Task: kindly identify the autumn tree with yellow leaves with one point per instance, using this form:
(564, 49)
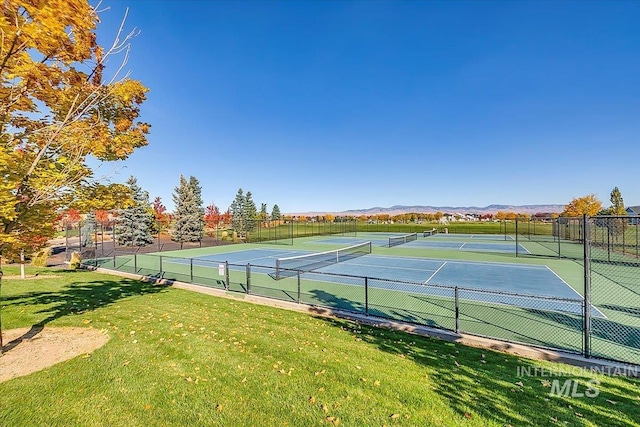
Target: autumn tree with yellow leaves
(589, 205)
(58, 106)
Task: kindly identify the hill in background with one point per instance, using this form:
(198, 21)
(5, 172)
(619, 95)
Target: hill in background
(400, 209)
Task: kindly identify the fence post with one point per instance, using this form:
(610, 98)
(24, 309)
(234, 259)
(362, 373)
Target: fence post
(299, 299)
(608, 241)
(191, 269)
(366, 296)
(559, 244)
(227, 283)
(456, 299)
(516, 237)
(248, 279)
(587, 292)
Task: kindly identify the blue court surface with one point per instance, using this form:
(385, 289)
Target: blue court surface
(472, 236)
(430, 243)
(544, 289)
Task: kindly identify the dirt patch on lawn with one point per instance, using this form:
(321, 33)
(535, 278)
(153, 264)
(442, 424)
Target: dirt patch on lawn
(28, 350)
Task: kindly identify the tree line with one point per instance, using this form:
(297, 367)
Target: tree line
(139, 220)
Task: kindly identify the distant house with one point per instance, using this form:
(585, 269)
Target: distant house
(634, 213)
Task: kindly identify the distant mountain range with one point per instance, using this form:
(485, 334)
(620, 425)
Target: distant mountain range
(400, 209)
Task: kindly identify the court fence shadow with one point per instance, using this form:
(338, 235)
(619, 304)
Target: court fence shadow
(541, 321)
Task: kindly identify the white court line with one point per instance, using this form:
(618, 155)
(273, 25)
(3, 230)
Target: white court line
(462, 245)
(434, 273)
(277, 255)
(386, 267)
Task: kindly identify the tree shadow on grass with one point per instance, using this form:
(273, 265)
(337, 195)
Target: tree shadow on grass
(76, 298)
(477, 382)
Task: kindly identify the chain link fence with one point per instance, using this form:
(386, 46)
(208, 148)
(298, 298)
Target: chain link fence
(551, 237)
(283, 232)
(540, 321)
(604, 324)
(614, 285)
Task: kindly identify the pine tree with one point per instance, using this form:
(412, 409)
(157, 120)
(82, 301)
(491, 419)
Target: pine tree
(264, 216)
(189, 213)
(275, 213)
(133, 224)
(250, 212)
(237, 211)
(89, 226)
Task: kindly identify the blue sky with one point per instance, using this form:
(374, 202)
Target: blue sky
(329, 106)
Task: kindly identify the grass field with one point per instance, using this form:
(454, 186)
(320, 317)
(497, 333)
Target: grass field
(181, 358)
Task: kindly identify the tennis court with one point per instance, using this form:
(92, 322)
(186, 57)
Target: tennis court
(473, 236)
(460, 244)
(434, 277)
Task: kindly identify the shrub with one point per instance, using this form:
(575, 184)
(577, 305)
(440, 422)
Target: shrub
(39, 259)
(75, 261)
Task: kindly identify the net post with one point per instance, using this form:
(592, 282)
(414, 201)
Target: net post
(456, 301)
(298, 274)
(587, 292)
(191, 269)
(114, 260)
(135, 263)
(248, 278)
(227, 278)
(161, 266)
(366, 296)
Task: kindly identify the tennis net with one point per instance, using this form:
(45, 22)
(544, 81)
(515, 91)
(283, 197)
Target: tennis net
(289, 266)
(399, 240)
(428, 233)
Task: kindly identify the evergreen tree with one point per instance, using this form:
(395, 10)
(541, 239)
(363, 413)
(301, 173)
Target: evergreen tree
(189, 213)
(133, 224)
(264, 216)
(250, 212)
(89, 226)
(237, 210)
(275, 213)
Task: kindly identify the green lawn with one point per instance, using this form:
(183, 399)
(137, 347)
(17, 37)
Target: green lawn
(181, 358)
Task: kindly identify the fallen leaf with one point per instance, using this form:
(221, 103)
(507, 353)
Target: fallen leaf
(394, 416)
(467, 415)
(312, 400)
(218, 408)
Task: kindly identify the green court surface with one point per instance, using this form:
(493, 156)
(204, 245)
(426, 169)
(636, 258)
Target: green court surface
(503, 307)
